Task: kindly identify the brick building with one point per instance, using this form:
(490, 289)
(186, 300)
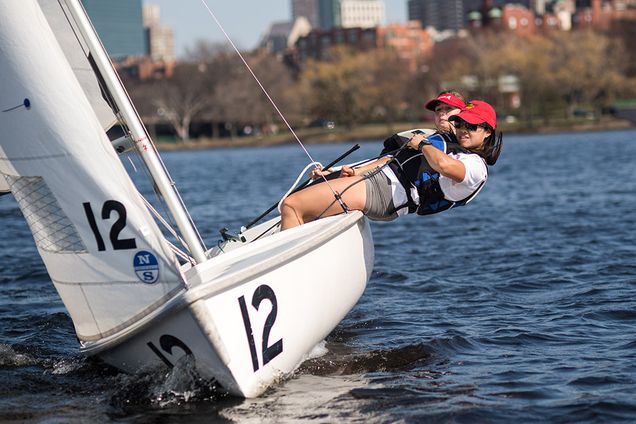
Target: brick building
(317, 43)
(602, 14)
(518, 19)
(409, 41)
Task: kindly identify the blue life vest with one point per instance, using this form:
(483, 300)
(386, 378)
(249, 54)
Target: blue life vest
(413, 171)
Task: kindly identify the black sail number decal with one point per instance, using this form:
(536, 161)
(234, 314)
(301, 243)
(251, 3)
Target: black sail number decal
(108, 208)
(268, 351)
(167, 343)
(91, 221)
(118, 244)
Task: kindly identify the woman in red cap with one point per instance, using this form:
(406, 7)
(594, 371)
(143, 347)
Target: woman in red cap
(427, 174)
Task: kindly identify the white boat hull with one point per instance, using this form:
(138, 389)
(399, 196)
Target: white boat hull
(247, 315)
(252, 315)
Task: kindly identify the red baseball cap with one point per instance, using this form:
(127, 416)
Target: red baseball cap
(447, 98)
(478, 112)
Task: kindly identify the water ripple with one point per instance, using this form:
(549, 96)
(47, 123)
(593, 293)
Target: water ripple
(520, 307)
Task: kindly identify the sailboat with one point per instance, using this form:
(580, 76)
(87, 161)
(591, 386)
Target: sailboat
(246, 316)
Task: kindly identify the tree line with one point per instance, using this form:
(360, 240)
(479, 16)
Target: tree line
(556, 74)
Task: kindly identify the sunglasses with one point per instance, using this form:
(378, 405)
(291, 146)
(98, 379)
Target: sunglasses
(459, 123)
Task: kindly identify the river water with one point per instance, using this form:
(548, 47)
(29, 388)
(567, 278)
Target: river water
(519, 307)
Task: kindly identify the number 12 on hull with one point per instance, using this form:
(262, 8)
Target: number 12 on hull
(268, 352)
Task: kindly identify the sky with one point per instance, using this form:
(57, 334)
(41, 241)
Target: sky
(244, 20)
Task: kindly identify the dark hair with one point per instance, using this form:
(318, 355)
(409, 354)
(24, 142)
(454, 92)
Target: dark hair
(491, 147)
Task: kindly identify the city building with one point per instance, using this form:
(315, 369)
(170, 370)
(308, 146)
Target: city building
(283, 35)
(328, 14)
(409, 41)
(561, 16)
(457, 14)
(538, 15)
(601, 15)
(539, 6)
(361, 13)
(439, 14)
(545, 15)
(119, 24)
(159, 38)
(317, 43)
(143, 68)
(517, 18)
(350, 13)
(306, 8)
(156, 60)
(453, 15)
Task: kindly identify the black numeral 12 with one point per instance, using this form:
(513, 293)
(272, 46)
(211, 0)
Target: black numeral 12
(269, 352)
(109, 207)
(167, 343)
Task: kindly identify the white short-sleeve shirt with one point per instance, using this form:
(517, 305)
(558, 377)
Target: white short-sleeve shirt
(476, 173)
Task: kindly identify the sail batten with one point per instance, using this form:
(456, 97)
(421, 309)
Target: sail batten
(103, 250)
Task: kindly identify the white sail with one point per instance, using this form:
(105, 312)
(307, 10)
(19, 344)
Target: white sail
(4, 186)
(76, 52)
(103, 251)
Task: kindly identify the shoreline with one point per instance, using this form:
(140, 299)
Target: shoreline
(374, 132)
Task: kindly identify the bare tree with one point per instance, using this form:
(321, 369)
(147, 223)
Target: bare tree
(243, 101)
(181, 98)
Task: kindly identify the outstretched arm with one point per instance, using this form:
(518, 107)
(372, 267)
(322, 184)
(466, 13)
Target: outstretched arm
(440, 161)
(349, 171)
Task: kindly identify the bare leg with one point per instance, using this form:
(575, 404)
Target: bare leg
(319, 201)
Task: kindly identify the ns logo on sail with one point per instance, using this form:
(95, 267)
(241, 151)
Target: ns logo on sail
(146, 267)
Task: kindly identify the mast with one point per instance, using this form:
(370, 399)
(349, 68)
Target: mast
(143, 144)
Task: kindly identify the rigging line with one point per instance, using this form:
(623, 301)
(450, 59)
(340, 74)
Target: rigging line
(205, 4)
(365, 176)
(343, 192)
(335, 193)
(293, 187)
(180, 253)
(87, 53)
(123, 125)
(161, 219)
(166, 218)
(120, 122)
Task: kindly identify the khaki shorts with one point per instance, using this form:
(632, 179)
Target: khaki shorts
(379, 205)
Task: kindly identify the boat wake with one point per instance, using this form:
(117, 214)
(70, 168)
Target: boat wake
(9, 358)
(163, 389)
(340, 360)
